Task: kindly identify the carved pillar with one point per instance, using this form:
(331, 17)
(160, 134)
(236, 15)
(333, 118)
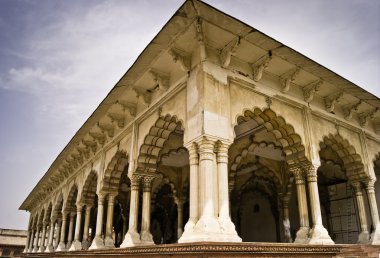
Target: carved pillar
(50, 247)
(179, 218)
(71, 229)
(31, 242)
(318, 234)
(98, 242)
(27, 244)
(363, 237)
(208, 224)
(226, 225)
(36, 238)
(43, 237)
(375, 234)
(77, 245)
(286, 221)
(58, 234)
(61, 245)
(303, 233)
(109, 242)
(132, 237)
(146, 236)
(193, 200)
(85, 242)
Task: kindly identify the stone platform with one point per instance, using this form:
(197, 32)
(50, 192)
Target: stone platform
(211, 249)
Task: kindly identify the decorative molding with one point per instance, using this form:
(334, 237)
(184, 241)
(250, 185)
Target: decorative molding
(161, 79)
(99, 137)
(331, 101)
(182, 60)
(144, 98)
(90, 144)
(350, 111)
(108, 128)
(268, 100)
(229, 50)
(364, 118)
(287, 78)
(260, 65)
(118, 118)
(310, 89)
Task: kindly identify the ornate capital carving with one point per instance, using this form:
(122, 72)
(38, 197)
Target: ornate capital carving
(357, 188)
(259, 67)
(311, 173)
(228, 51)
(330, 101)
(222, 152)
(147, 181)
(193, 153)
(350, 111)
(182, 60)
(206, 149)
(287, 78)
(364, 118)
(309, 90)
(370, 186)
(299, 174)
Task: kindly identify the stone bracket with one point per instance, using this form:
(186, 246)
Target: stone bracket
(310, 89)
(331, 101)
(161, 79)
(364, 118)
(229, 50)
(183, 60)
(260, 65)
(287, 78)
(350, 111)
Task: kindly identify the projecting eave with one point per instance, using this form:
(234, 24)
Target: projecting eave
(179, 34)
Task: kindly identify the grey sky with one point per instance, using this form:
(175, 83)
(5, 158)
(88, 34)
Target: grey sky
(59, 59)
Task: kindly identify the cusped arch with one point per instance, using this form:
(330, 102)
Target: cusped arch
(154, 142)
(113, 172)
(164, 181)
(70, 204)
(346, 152)
(283, 132)
(89, 188)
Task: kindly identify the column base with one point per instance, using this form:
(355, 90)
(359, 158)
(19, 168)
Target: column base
(76, 245)
(35, 250)
(132, 238)
(49, 249)
(41, 249)
(363, 237)
(320, 236)
(85, 244)
(302, 236)
(146, 238)
(375, 236)
(207, 225)
(61, 247)
(97, 243)
(109, 243)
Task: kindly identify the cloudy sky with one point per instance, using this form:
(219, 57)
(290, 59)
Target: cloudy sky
(59, 59)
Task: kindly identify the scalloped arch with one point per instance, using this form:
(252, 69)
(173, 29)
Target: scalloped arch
(89, 188)
(70, 203)
(350, 158)
(114, 171)
(154, 142)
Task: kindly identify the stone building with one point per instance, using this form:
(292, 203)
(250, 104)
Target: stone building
(216, 133)
(12, 242)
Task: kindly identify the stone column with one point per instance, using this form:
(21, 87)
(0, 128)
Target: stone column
(286, 221)
(50, 247)
(132, 238)
(85, 242)
(58, 233)
(303, 233)
(36, 238)
(363, 237)
(207, 226)
(179, 217)
(318, 234)
(41, 249)
(71, 229)
(61, 245)
(226, 225)
(31, 242)
(98, 242)
(77, 245)
(109, 242)
(27, 243)
(375, 234)
(193, 202)
(146, 236)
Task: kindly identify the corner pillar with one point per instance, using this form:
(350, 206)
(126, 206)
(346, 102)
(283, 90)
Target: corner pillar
(318, 234)
(85, 240)
(109, 242)
(286, 221)
(36, 239)
(363, 237)
(146, 236)
(375, 234)
(98, 242)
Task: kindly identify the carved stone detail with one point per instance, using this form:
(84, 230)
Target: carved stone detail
(161, 79)
(311, 89)
(259, 66)
(182, 60)
(331, 101)
(350, 111)
(364, 118)
(287, 78)
(144, 98)
(228, 51)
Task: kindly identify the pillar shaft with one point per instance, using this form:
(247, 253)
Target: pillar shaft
(98, 242)
(363, 237)
(86, 224)
(36, 239)
(27, 244)
(109, 242)
(132, 237)
(77, 245)
(59, 228)
(319, 234)
(146, 236)
(43, 238)
(31, 241)
(179, 218)
(49, 247)
(62, 246)
(71, 229)
(375, 234)
(286, 221)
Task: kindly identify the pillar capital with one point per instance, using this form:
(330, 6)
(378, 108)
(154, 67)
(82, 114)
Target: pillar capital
(370, 185)
(147, 181)
(221, 149)
(311, 172)
(192, 147)
(206, 148)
